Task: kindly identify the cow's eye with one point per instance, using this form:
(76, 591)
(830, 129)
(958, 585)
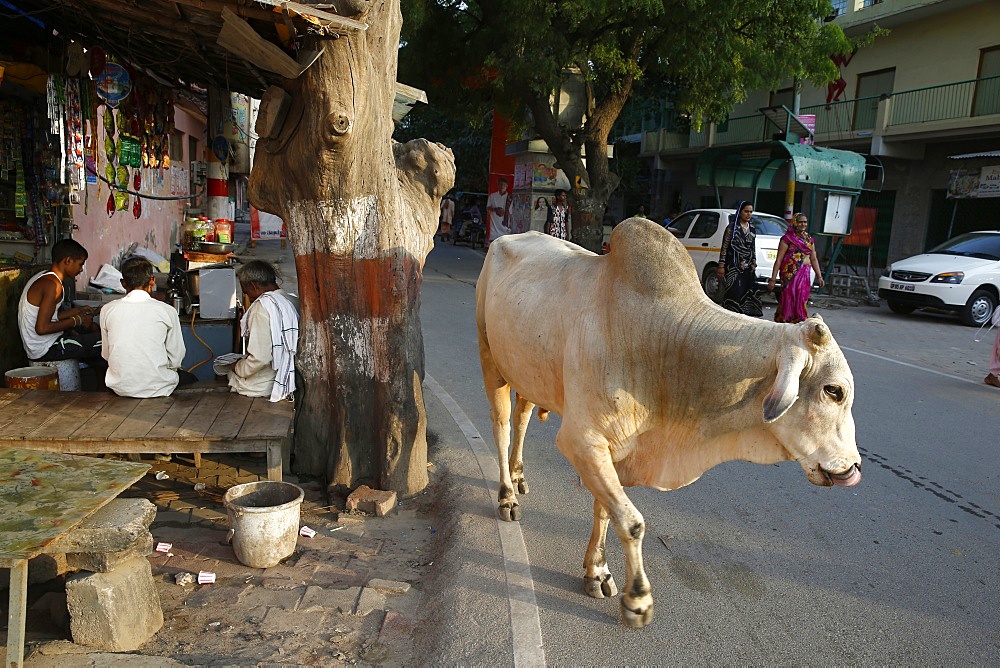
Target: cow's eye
(836, 392)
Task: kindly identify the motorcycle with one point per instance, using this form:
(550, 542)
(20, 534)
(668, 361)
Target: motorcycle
(470, 230)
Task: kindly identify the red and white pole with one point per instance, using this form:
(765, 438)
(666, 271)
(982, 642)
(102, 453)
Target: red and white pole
(218, 188)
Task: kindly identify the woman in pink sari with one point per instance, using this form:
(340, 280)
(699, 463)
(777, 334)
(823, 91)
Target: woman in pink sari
(796, 261)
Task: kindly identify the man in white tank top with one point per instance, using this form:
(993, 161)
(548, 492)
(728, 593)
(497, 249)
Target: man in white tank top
(47, 332)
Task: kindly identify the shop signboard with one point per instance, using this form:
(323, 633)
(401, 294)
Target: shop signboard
(975, 183)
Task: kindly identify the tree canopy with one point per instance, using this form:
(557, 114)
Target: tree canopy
(473, 55)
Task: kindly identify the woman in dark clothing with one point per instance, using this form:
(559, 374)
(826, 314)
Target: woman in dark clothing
(738, 264)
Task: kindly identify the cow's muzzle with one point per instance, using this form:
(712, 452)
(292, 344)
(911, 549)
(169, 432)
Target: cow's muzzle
(848, 478)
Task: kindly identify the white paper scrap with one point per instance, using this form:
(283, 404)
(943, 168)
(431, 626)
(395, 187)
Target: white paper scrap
(205, 577)
(307, 532)
(164, 547)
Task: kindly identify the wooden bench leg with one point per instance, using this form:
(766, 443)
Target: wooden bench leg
(274, 462)
(16, 616)
(197, 460)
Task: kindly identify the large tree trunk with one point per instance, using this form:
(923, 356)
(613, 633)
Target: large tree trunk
(361, 215)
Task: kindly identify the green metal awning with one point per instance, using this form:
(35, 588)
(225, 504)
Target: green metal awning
(754, 166)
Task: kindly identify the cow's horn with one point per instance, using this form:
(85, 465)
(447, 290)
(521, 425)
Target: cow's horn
(820, 334)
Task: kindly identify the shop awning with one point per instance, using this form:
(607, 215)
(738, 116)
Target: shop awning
(754, 166)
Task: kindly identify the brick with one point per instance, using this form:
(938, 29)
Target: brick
(373, 501)
(331, 576)
(218, 596)
(338, 600)
(389, 586)
(271, 598)
(285, 621)
(370, 601)
(116, 611)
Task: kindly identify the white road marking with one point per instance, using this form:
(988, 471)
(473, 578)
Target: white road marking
(912, 366)
(526, 627)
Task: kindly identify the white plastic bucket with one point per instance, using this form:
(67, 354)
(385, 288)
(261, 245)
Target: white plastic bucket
(264, 517)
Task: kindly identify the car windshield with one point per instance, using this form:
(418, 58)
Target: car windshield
(972, 244)
(766, 224)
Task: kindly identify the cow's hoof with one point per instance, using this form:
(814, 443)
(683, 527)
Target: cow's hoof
(636, 619)
(509, 512)
(600, 587)
(522, 486)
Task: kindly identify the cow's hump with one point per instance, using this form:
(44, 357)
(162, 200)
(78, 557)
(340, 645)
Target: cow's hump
(650, 259)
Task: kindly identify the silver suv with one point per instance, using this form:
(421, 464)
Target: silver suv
(701, 232)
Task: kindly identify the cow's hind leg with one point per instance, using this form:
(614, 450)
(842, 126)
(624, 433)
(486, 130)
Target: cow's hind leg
(498, 394)
(592, 460)
(522, 413)
(597, 579)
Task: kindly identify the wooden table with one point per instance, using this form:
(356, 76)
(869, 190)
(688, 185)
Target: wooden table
(44, 495)
(102, 422)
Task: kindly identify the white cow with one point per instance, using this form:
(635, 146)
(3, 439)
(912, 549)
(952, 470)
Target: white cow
(655, 383)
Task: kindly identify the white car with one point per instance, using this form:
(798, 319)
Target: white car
(961, 275)
(701, 232)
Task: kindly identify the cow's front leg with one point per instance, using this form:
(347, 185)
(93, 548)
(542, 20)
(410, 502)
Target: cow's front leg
(597, 579)
(591, 458)
(522, 414)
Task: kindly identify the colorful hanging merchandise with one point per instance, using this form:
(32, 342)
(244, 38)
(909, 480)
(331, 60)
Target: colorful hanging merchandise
(76, 176)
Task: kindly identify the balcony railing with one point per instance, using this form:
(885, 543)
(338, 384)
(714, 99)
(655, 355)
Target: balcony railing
(856, 117)
(846, 116)
(965, 99)
(740, 130)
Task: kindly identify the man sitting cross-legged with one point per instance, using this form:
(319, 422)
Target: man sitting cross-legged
(141, 338)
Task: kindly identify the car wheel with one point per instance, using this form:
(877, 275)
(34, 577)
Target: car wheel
(901, 309)
(979, 308)
(710, 284)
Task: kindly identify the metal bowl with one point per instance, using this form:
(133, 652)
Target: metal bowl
(215, 247)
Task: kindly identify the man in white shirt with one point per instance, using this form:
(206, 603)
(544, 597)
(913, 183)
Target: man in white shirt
(141, 338)
(270, 327)
(496, 208)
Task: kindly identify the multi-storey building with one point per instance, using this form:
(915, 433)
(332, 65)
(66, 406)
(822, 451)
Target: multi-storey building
(923, 102)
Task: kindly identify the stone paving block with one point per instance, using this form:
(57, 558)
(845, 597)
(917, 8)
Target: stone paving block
(286, 621)
(216, 595)
(209, 514)
(370, 601)
(322, 558)
(171, 517)
(389, 586)
(272, 598)
(332, 576)
(337, 600)
(104, 562)
(374, 501)
(116, 611)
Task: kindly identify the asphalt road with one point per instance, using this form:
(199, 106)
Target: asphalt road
(750, 564)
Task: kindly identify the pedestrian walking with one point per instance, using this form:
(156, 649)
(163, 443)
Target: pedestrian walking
(796, 261)
(738, 264)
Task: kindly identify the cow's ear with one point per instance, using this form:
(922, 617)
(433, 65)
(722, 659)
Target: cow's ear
(785, 390)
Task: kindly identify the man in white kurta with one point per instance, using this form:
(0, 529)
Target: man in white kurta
(141, 337)
(270, 328)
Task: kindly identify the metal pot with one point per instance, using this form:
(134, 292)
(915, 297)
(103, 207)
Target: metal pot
(215, 247)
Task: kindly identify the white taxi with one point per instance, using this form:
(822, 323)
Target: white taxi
(701, 232)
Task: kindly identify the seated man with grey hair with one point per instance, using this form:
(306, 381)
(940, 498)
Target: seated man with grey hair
(270, 329)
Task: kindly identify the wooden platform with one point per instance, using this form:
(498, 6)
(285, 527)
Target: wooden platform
(102, 422)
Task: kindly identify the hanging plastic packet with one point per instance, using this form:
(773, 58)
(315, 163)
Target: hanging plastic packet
(121, 201)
